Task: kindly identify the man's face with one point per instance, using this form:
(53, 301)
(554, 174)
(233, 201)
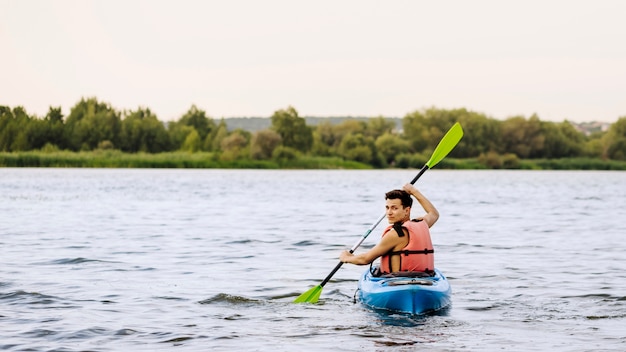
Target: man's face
(395, 211)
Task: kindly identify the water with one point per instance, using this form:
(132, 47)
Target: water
(197, 260)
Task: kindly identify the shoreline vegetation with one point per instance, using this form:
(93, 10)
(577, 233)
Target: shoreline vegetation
(95, 134)
(207, 160)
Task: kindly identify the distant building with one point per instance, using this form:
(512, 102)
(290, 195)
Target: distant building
(587, 128)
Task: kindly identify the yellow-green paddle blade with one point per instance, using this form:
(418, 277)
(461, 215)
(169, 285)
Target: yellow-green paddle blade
(310, 296)
(447, 143)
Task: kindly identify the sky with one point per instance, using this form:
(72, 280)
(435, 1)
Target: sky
(559, 59)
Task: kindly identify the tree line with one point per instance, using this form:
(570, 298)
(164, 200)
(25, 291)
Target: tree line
(96, 125)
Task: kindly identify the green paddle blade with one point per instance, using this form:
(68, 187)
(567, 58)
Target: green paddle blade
(310, 296)
(445, 146)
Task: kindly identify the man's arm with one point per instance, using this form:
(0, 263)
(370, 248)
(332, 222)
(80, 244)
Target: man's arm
(432, 215)
(386, 244)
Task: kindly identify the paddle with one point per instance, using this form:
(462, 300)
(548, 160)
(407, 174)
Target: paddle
(447, 143)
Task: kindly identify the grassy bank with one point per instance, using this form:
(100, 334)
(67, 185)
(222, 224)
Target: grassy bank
(117, 159)
(537, 164)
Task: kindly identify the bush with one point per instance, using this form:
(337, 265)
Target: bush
(282, 154)
(49, 148)
(510, 161)
(491, 160)
(106, 145)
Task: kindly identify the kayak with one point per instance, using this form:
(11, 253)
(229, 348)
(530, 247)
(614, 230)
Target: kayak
(414, 293)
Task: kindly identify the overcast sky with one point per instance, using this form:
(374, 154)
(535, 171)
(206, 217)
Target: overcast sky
(560, 59)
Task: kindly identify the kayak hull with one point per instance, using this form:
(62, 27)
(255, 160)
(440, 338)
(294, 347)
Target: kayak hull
(405, 294)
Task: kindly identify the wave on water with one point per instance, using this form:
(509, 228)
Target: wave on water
(249, 241)
(235, 300)
(222, 298)
(305, 243)
(38, 332)
(82, 334)
(21, 297)
(602, 296)
(81, 260)
(170, 298)
(73, 261)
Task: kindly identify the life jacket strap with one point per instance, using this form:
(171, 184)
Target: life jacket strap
(407, 252)
(399, 229)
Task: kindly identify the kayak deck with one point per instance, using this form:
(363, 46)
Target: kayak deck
(414, 295)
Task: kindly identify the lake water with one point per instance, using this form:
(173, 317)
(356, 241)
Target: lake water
(198, 260)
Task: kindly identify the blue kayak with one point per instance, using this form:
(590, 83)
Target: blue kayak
(408, 293)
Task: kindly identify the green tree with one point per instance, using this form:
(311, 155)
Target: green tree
(199, 120)
(284, 154)
(326, 133)
(21, 132)
(595, 145)
(425, 129)
(327, 137)
(20, 127)
(214, 141)
(416, 130)
(482, 134)
(141, 131)
(292, 129)
(9, 129)
(178, 134)
(36, 132)
(91, 122)
(6, 128)
(56, 128)
(192, 142)
(234, 146)
(263, 144)
(615, 140)
(562, 140)
(357, 147)
(378, 126)
(390, 146)
(522, 137)
(349, 127)
(193, 119)
(320, 147)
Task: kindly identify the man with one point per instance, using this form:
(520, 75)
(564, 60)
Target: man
(405, 245)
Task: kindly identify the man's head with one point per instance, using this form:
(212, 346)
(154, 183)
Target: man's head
(404, 196)
(398, 205)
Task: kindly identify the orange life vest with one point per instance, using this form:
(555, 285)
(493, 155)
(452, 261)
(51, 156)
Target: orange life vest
(418, 255)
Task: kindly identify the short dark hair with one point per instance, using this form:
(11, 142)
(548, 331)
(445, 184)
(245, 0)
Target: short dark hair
(404, 196)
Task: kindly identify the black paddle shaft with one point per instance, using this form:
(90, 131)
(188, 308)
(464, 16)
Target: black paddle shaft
(419, 174)
(332, 273)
